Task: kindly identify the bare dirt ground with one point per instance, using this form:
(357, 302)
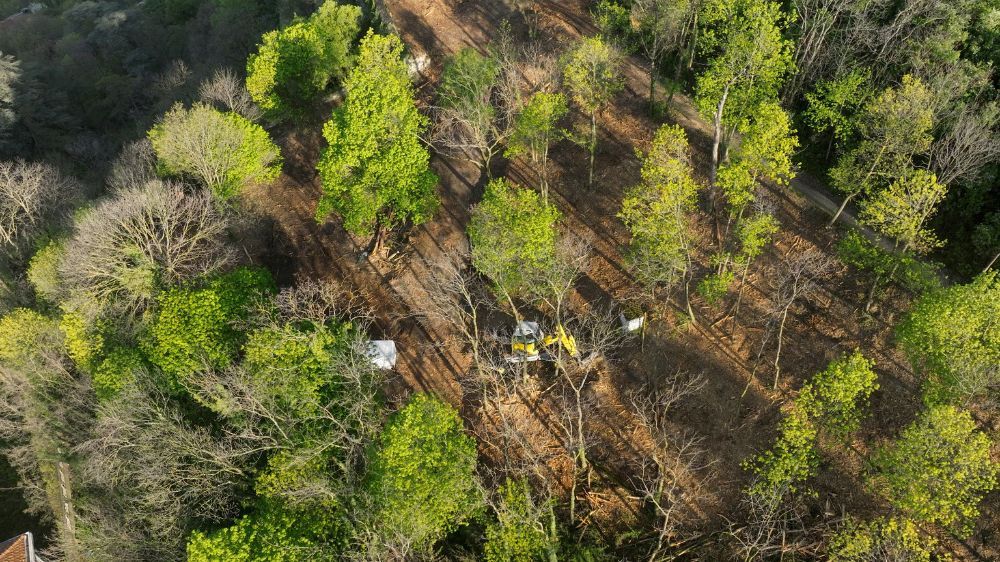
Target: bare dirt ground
(736, 413)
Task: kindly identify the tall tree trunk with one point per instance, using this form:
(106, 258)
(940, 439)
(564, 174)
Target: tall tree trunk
(593, 147)
(843, 205)
(652, 87)
(777, 355)
(992, 261)
(717, 135)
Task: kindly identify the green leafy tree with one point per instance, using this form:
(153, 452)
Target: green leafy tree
(658, 211)
(375, 170)
(953, 338)
(22, 333)
(422, 473)
(292, 66)
(893, 538)
(194, 328)
(513, 237)
(519, 533)
(536, 127)
(836, 397)
(832, 106)
(892, 129)
(223, 151)
(939, 469)
(43, 272)
(792, 459)
(901, 211)
(121, 367)
(753, 234)
(748, 60)
(272, 533)
(592, 72)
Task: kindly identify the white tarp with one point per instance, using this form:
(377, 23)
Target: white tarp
(382, 353)
(630, 325)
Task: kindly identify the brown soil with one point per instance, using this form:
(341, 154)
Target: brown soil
(736, 413)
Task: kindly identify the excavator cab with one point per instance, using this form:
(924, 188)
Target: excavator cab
(529, 343)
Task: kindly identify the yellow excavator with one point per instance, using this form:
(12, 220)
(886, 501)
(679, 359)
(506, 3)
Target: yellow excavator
(530, 343)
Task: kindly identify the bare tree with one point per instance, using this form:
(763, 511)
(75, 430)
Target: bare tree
(134, 167)
(32, 196)
(969, 144)
(226, 89)
(670, 461)
(773, 525)
(797, 280)
(127, 246)
(479, 98)
(150, 475)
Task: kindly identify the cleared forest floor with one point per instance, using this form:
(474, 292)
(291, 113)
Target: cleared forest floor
(735, 424)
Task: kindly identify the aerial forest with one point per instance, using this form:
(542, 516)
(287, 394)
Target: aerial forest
(500, 280)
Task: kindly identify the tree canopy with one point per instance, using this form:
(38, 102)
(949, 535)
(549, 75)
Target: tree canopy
(375, 169)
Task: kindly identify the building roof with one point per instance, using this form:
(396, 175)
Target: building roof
(15, 549)
(19, 549)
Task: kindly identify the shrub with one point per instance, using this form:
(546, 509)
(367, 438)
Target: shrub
(915, 275)
(791, 461)
(518, 534)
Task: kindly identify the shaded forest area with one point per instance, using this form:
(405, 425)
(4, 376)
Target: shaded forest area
(668, 279)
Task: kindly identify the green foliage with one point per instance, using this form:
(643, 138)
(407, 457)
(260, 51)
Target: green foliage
(953, 338)
(422, 473)
(536, 126)
(43, 272)
(893, 128)
(768, 143)
(901, 210)
(24, 332)
(834, 103)
(467, 82)
(119, 369)
(714, 287)
(592, 73)
(518, 534)
(916, 275)
(892, 538)
(375, 170)
(748, 58)
(939, 469)
(658, 211)
(84, 342)
(292, 66)
(293, 363)
(513, 237)
(272, 533)
(791, 461)
(754, 233)
(194, 328)
(286, 471)
(224, 151)
(836, 397)
(613, 20)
